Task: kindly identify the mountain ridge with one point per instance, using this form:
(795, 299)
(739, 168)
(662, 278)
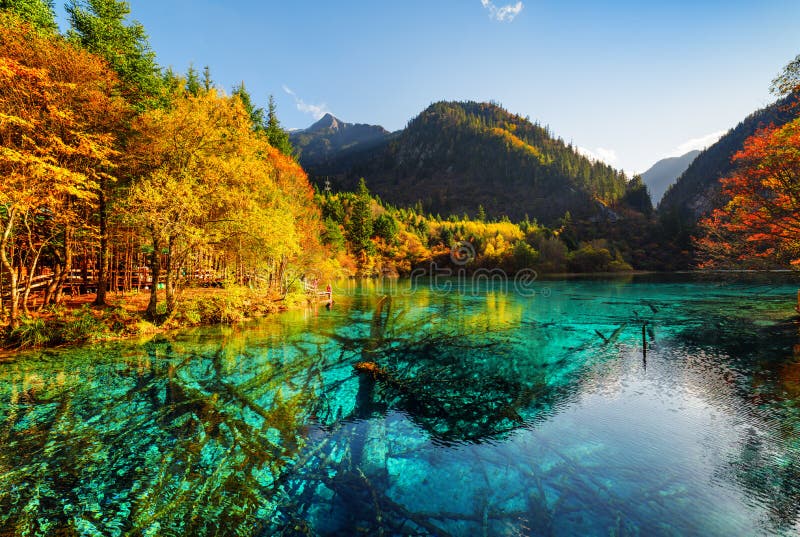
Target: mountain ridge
(329, 136)
(456, 156)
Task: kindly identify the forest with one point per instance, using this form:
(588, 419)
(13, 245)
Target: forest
(120, 176)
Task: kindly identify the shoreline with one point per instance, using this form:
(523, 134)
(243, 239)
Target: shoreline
(124, 318)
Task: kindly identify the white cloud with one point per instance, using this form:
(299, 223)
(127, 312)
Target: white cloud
(697, 143)
(601, 154)
(316, 110)
(504, 13)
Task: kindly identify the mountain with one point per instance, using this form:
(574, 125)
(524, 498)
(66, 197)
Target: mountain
(456, 156)
(331, 136)
(665, 172)
(696, 192)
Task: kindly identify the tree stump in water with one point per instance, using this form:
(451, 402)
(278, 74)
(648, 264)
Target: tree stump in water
(373, 369)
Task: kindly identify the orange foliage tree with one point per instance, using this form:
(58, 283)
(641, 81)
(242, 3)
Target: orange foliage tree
(760, 223)
(57, 118)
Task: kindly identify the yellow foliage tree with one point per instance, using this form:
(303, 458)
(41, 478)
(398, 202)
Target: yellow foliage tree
(205, 179)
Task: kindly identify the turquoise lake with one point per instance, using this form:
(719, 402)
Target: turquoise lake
(481, 410)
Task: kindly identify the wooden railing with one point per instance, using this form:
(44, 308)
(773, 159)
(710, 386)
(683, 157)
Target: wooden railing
(80, 281)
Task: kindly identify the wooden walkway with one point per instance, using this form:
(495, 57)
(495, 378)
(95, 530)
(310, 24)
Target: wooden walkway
(313, 291)
(82, 281)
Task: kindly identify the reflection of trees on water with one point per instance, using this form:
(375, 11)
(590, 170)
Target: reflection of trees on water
(194, 438)
(460, 381)
(285, 437)
(763, 361)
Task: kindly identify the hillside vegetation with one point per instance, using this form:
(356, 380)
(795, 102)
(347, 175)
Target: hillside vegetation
(455, 156)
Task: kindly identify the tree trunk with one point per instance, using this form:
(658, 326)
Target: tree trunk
(170, 281)
(66, 268)
(281, 274)
(13, 310)
(61, 270)
(155, 273)
(29, 283)
(50, 289)
(32, 269)
(12, 274)
(102, 259)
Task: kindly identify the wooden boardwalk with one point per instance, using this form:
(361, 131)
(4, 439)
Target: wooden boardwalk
(313, 292)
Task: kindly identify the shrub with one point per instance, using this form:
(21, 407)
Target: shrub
(32, 333)
(82, 327)
(40, 332)
(525, 255)
(589, 259)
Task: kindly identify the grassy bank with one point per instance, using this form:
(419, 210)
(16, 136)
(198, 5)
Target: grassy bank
(76, 321)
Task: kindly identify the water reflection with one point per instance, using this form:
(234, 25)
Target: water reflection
(422, 414)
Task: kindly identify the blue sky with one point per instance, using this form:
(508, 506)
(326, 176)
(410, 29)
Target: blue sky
(629, 81)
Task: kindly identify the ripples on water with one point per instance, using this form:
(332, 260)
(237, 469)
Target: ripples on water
(486, 414)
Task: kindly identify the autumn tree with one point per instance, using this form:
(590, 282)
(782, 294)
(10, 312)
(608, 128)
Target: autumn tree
(102, 27)
(788, 81)
(761, 220)
(172, 156)
(205, 179)
(57, 118)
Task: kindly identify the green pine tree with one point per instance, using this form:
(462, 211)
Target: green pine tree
(37, 12)
(256, 114)
(359, 229)
(277, 137)
(192, 81)
(101, 27)
(385, 227)
(207, 82)
(332, 235)
(638, 197)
